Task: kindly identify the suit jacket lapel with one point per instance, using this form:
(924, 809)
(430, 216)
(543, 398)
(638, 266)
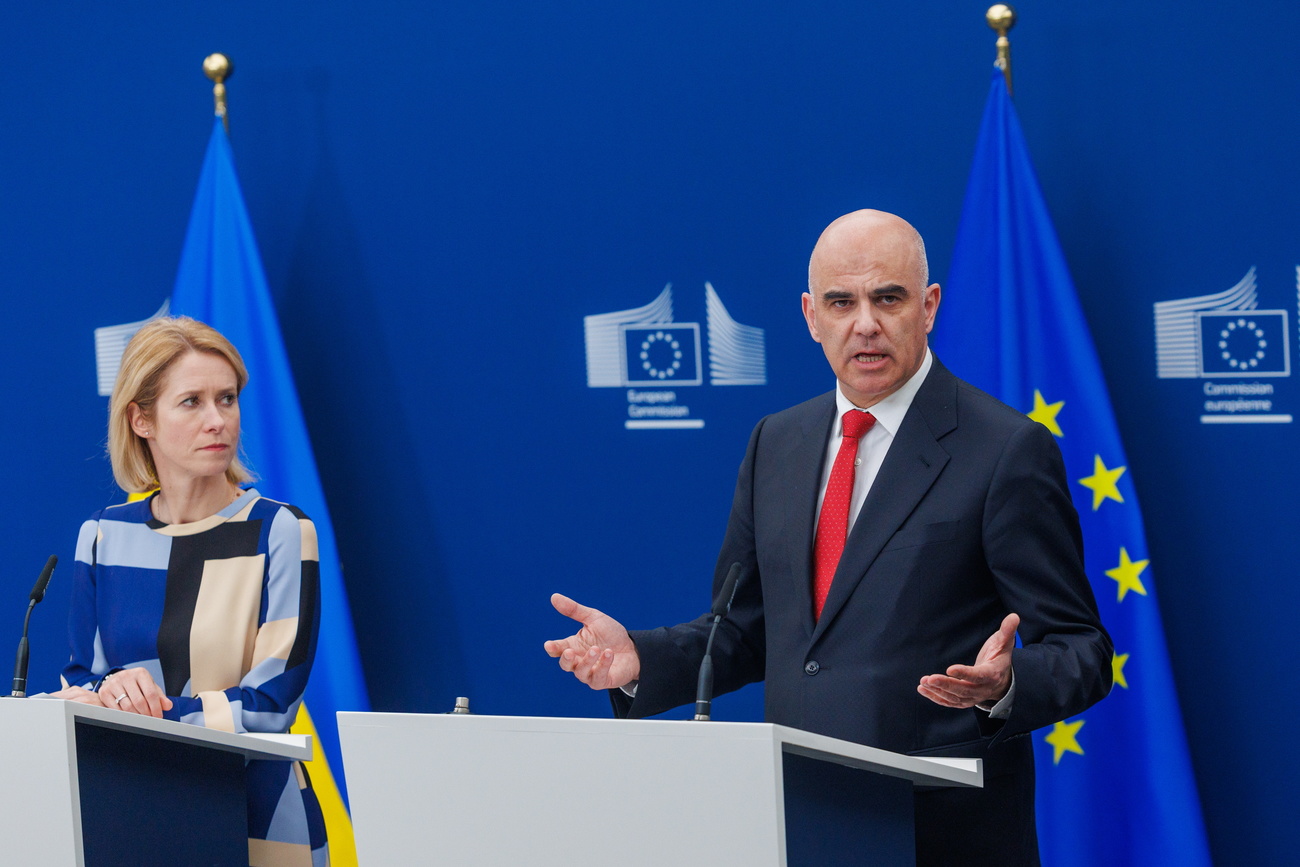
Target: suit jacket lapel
(914, 461)
(801, 467)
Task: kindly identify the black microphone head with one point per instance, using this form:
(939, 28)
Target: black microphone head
(38, 592)
(722, 603)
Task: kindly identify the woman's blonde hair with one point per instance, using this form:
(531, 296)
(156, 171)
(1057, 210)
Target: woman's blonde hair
(145, 363)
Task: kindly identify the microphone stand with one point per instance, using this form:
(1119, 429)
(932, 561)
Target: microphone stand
(20, 664)
(721, 606)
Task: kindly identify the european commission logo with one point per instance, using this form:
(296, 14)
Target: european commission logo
(646, 352)
(1226, 338)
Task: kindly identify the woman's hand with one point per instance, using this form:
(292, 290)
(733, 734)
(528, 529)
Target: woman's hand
(76, 693)
(133, 690)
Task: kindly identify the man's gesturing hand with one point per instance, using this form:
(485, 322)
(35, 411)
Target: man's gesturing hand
(985, 682)
(600, 654)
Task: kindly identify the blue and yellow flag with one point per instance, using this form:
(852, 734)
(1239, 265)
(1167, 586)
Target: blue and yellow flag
(221, 282)
(1115, 784)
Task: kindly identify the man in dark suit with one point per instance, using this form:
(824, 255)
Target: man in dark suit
(900, 632)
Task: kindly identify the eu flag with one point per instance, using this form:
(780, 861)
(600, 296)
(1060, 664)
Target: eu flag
(662, 355)
(221, 282)
(1243, 343)
(1115, 784)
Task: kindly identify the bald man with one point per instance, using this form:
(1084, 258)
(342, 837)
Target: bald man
(882, 593)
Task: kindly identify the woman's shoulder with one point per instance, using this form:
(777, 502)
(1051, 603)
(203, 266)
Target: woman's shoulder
(131, 512)
(286, 527)
(265, 508)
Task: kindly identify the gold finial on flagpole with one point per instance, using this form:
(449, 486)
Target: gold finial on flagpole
(1001, 17)
(218, 68)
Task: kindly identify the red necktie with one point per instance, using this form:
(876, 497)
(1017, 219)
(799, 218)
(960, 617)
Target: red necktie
(833, 525)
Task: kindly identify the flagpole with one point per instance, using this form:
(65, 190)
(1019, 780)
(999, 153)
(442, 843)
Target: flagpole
(1001, 17)
(218, 68)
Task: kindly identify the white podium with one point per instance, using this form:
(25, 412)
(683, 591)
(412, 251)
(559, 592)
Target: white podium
(177, 790)
(458, 789)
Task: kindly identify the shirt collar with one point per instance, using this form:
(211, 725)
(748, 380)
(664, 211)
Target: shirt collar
(890, 411)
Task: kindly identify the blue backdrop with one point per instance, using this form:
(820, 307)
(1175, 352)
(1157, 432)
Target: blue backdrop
(442, 192)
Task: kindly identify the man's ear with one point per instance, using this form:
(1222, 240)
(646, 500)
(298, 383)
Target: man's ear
(932, 296)
(810, 316)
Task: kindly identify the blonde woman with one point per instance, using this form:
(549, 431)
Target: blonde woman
(199, 603)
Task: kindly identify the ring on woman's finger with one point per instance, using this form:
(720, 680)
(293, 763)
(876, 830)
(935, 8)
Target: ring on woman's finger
(118, 700)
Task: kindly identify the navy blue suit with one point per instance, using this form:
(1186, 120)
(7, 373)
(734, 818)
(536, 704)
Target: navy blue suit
(969, 519)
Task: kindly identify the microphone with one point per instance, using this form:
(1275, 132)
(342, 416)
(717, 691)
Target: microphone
(721, 605)
(38, 593)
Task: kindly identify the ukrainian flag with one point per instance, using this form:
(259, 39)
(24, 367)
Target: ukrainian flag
(220, 281)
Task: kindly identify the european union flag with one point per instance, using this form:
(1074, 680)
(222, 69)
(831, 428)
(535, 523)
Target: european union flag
(663, 355)
(1115, 784)
(1243, 343)
(221, 282)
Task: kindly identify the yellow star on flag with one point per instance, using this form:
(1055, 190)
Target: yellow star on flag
(1063, 740)
(1128, 575)
(1045, 413)
(1117, 662)
(1102, 482)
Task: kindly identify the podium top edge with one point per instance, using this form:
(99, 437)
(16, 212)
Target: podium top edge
(923, 770)
(275, 747)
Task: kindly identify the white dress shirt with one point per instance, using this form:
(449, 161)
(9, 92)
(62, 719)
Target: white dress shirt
(873, 447)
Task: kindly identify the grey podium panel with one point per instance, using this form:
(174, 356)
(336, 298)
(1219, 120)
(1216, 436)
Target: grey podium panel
(131, 765)
(435, 789)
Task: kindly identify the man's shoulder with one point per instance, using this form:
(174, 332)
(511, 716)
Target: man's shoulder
(813, 406)
(981, 424)
(794, 424)
(811, 411)
(972, 405)
(979, 403)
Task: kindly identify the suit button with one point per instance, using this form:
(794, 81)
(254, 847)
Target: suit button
(811, 667)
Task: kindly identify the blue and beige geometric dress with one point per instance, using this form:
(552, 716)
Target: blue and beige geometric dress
(223, 613)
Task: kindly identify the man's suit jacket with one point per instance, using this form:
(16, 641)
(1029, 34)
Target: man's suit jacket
(969, 519)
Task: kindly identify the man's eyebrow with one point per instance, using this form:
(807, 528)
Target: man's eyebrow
(879, 291)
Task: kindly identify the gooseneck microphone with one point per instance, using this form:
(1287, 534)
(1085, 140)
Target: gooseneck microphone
(721, 605)
(38, 593)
